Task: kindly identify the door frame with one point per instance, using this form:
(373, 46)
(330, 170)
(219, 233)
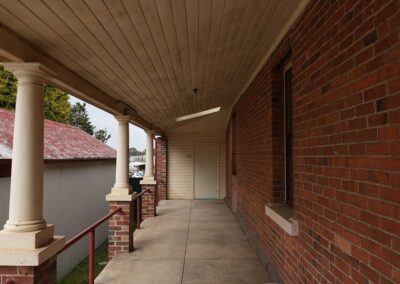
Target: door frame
(194, 167)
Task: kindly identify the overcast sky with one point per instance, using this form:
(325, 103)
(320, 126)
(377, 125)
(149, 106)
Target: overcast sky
(101, 119)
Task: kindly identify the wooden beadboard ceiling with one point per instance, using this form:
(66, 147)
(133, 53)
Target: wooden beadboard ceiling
(151, 54)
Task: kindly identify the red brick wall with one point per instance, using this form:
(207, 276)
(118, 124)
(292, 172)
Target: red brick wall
(161, 167)
(346, 108)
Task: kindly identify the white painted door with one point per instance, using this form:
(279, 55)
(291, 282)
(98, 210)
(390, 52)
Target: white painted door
(206, 171)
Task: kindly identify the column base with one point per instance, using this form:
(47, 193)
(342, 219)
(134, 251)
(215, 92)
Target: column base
(31, 257)
(120, 197)
(121, 190)
(26, 240)
(29, 226)
(149, 181)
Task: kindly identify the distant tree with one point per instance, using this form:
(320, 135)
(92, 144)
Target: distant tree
(56, 105)
(135, 152)
(8, 89)
(56, 102)
(79, 117)
(102, 135)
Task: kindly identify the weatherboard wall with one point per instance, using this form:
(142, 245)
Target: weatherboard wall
(181, 163)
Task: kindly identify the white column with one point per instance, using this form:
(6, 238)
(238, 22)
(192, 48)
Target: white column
(26, 192)
(26, 239)
(121, 186)
(148, 175)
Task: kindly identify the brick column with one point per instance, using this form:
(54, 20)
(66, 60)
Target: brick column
(148, 201)
(161, 167)
(120, 236)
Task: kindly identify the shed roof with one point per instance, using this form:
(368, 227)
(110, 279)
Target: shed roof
(61, 141)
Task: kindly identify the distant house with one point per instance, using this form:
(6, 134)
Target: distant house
(79, 171)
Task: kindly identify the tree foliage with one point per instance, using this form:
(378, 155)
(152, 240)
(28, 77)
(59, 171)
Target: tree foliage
(79, 117)
(56, 105)
(102, 135)
(56, 102)
(8, 89)
(135, 152)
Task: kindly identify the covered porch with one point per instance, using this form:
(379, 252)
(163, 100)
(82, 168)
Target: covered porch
(192, 242)
(289, 111)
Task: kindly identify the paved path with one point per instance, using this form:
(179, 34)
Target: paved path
(190, 242)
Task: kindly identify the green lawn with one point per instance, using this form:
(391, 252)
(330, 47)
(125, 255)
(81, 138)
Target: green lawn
(79, 275)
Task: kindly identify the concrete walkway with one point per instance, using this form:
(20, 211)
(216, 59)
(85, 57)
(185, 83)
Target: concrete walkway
(190, 242)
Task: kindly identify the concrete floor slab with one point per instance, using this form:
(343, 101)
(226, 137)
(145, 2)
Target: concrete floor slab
(219, 249)
(164, 224)
(208, 203)
(173, 213)
(125, 270)
(215, 235)
(213, 225)
(160, 244)
(160, 236)
(243, 270)
(206, 214)
(191, 242)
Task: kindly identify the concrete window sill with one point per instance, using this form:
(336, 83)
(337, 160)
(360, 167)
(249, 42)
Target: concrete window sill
(283, 216)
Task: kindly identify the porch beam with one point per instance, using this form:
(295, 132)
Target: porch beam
(15, 49)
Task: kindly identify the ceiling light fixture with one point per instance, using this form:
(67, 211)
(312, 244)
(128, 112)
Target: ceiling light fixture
(198, 114)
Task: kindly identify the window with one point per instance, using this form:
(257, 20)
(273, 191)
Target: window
(288, 134)
(280, 207)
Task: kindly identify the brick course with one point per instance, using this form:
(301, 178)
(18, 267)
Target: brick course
(346, 121)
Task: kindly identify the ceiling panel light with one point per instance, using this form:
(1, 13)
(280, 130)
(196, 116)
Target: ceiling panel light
(198, 114)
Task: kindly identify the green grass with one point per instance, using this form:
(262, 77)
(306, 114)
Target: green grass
(79, 275)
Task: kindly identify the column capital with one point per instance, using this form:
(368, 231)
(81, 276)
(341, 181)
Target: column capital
(123, 118)
(26, 72)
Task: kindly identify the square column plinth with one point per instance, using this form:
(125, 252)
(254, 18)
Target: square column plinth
(149, 198)
(29, 248)
(29, 257)
(120, 226)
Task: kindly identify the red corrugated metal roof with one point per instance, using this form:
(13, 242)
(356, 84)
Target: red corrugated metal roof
(61, 141)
